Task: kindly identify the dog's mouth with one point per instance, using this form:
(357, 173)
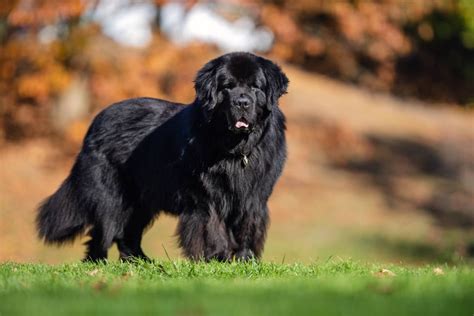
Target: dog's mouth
(242, 124)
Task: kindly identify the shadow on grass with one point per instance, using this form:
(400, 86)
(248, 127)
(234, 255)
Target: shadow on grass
(446, 166)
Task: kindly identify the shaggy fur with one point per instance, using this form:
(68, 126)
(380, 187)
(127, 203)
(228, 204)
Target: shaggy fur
(213, 163)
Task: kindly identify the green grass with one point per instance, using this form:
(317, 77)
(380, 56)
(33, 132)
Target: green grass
(333, 287)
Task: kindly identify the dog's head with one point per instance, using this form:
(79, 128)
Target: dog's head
(240, 89)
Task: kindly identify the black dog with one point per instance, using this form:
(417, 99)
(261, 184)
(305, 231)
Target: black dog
(213, 163)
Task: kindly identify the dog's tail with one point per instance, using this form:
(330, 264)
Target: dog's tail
(62, 217)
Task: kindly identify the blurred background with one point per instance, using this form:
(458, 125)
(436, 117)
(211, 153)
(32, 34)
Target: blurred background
(380, 114)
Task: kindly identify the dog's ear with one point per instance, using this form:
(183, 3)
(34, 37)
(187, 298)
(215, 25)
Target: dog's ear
(277, 82)
(205, 85)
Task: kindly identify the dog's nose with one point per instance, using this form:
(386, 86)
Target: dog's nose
(243, 102)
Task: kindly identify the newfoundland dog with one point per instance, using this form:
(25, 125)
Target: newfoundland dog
(213, 163)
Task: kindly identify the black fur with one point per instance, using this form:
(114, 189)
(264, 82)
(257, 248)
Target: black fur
(144, 156)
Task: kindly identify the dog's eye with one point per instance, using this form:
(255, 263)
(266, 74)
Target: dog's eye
(256, 84)
(229, 85)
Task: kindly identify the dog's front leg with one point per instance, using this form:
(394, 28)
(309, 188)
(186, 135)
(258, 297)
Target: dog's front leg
(250, 234)
(191, 234)
(203, 236)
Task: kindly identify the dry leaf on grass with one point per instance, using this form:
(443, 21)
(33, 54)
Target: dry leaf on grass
(93, 272)
(384, 273)
(100, 285)
(438, 271)
(127, 275)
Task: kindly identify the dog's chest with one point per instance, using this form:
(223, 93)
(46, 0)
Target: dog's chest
(232, 183)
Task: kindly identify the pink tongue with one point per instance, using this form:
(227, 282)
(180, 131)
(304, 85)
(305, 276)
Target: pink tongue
(240, 124)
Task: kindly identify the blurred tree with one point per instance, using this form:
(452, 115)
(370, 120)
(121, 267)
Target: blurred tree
(422, 48)
(418, 48)
(35, 61)
(50, 46)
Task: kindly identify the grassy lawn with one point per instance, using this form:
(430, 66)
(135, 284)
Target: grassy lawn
(334, 287)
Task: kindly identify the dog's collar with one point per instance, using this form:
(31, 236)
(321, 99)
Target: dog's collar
(244, 153)
(245, 160)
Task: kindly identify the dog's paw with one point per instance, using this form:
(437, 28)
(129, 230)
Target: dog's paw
(244, 255)
(135, 259)
(222, 256)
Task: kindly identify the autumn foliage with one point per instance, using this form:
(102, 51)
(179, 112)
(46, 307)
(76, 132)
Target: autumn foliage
(392, 46)
(421, 48)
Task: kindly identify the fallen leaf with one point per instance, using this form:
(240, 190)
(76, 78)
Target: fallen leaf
(100, 285)
(438, 271)
(385, 273)
(93, 272)
(127, 275)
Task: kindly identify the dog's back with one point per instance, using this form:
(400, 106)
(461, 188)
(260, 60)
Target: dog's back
(93, 192)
